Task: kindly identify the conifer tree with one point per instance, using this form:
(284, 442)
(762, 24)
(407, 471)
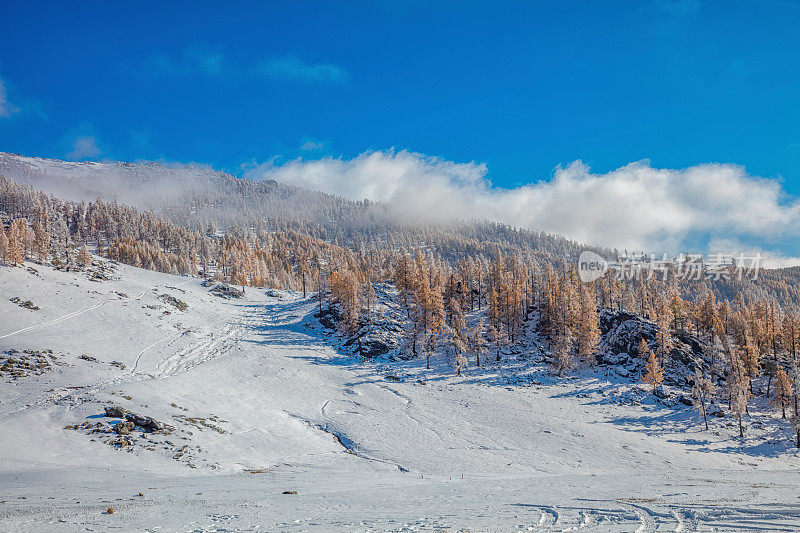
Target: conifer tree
(563, 360)
(477, 342)
(644, 350)
(497, 337)
(739, 390)
(461, 362)
(458, 330)
(663, 334)
(588, 337)
(3, 245)
(783, 392)
(653, 373)
(84, 257)
(702, 389)
(41, 242)
(15, 234)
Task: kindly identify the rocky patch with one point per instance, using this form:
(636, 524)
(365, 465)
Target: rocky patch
(222, 290)
(16, 364)
(26, 304)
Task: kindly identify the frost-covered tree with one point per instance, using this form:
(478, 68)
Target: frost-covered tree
(643, 351)
(702, 389)
(457, 333)
(563, 358)
(476, 343)
(739, 390)
(783, 392)
(84, 257)
(497, 337)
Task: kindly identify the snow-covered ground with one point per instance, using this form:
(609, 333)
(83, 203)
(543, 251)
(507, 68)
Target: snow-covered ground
(256, 402)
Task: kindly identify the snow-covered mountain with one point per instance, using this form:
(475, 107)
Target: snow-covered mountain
(248, 413)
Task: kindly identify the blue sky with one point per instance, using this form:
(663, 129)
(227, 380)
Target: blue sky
(520, 87)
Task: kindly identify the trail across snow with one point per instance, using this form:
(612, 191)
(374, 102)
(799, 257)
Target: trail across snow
(261, 404)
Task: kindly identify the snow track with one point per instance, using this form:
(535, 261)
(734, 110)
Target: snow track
(70, 315)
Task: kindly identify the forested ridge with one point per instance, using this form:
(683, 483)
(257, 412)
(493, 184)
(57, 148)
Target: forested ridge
(271, 235)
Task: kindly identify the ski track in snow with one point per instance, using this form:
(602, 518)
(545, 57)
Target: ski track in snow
(73, 314)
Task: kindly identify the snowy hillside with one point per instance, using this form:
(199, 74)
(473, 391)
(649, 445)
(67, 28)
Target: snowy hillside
(243, 417)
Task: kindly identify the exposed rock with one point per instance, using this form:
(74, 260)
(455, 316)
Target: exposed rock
(115, 411)
(715, 410)
(145, 422)
(120, 441)
(660, 393)
(124, 428)
(224, 290)
(180, 305)
(373, 348)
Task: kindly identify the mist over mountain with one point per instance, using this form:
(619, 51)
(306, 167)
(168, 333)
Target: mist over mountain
(198, 197)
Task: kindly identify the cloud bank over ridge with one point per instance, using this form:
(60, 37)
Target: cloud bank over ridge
(637, 206)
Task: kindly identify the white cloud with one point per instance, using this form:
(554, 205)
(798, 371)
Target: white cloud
(637, 207)
(292, 68)
(7, 109)
(769, 258)
(84, 147)
(312, 145)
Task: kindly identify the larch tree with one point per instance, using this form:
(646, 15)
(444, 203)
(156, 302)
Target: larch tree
(497, 337)
(653, 374)
(702, 389)
(476, 341)
(41, 242)
(84, 257)
(794, 421)
(782, 395)
(562, 348)
(345, 289)
(14, 248)
(644, 350)
(458, 334)
(3, 245)
(739, 390)
(663, 333)
(588, 337)
(460, 362)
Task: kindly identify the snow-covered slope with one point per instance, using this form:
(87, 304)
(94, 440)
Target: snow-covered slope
(255, 402)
